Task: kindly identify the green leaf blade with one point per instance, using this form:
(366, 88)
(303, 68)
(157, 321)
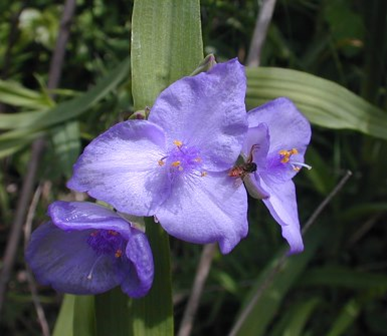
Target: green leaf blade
(323, 102)
(166, 45)
(153, 314)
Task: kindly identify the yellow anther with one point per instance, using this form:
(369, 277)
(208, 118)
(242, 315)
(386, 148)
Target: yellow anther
(118, 253)
(176, 163)
(296, 168)
(285, 159)
(198, 159)
(203, 174)
(286, 154)
(177, 143)
(113, 233)
(161, 163)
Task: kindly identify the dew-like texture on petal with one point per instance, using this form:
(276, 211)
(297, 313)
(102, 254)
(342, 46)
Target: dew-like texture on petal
(86, 215)
(120, 167)
(288, 128)
(65, 261)
(207, 112)
(207, 209)
(140, 280)
(282, 205)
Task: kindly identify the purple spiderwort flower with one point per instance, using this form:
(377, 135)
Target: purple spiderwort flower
(89, 249)
(276, 142)
(174, 165)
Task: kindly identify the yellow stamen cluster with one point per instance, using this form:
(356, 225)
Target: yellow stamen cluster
(118, 253)
(286, 154)
(177, 143)
(177, 164)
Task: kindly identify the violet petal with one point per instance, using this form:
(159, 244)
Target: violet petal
(256, 145)
(207, 209)
(288, 128)
(121, 167)
(86, 215)
(206, 111)
(141, 276)
(65, 261)
(282, 205)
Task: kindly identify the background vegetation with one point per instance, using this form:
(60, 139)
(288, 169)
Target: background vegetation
(338, 285)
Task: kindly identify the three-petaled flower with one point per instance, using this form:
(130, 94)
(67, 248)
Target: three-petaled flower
(276, 142)
(174, 165)
(89, 249)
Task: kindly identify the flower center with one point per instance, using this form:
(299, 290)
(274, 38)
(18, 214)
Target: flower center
(287, 157)
(106, 242)
(183, 159)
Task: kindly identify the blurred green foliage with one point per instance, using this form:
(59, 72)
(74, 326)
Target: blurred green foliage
(338, 287)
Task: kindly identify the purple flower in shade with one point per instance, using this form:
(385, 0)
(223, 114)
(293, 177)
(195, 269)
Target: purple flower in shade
(174, 165)
(276, 142)
(89, 249)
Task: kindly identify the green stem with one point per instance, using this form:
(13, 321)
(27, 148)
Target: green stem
(153, 314)
(112, 310)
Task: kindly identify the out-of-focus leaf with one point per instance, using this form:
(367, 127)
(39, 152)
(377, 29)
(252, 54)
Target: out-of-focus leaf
(75, 107)
(323, 102)
(364, 209)
(346, 25)
(166, 45)
(346, 317)
(4, 200)
(18, 120)
(11, 142)
(294, 320)
(271, 288)
(69, 109)
(14, 94)
(66, 140)
(344, 277)
(320, 175)
(36, 124)
(226, 281)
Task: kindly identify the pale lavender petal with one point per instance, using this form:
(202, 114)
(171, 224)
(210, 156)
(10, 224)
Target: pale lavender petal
(257, 145)
(65, 261)
(121, 167)
(206, 111)
(207, 209)
(254, 186)
(86, 215)
(282, 205)
(287, 126)
(139, 281)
